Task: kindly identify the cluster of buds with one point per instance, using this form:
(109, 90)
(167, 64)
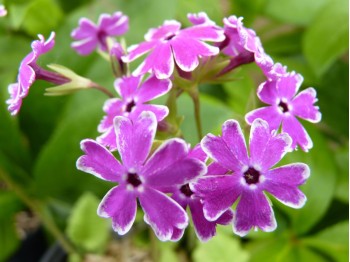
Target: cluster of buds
(167, 176)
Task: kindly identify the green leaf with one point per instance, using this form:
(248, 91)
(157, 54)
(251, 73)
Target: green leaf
(85, 228)
(42, 16)
(328, 36)
(333, 241)
(55, 170)
(213, 115)
(299, 12)
(319, 188)
(342, 159)
(9, 240)
(220, 248)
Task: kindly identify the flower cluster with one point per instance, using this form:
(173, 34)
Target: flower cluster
(167, 176)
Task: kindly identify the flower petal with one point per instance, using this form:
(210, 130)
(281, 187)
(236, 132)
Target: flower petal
(233, 137)
(160, 111)
(112, 107)
(108, 139)
(127, 86)
(85, 46)
(135, 138)
(266, 149)
(119, 204)
(303, 105)
(204, 32)
(160, 61)
(297, 132)
(288, 85)
(86, 29)
(186, 52)
(135, 51)
(218, 193)
(99, 162)
(162, 213)
(270, 114)
(218, 150)
(169, 27)
(169, 165)
(253, 210)
(153, 88)
(267, 92)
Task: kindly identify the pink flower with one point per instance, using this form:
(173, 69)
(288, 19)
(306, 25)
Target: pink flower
(142, 176)
(132, 102)
(285, 105)
(245, 178)
(168, 45)
(29, 71)
(89, 36)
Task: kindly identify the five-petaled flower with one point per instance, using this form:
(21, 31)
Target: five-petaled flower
(183, 195)
(29, 71)
(285, 106)
(133, 96)
(141, 176)
(89, 36)
(169, 45)
(247, 178)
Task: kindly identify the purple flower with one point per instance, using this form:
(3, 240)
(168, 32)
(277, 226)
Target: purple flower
(141, 176)
(285, 106)
(200, 19)
(88, 36)
(183, 195)
(132, 102)
(247, 178)
(29, 71)
(243, 45)
(168, 44)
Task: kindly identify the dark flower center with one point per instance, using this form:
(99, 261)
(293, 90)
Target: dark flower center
(169, 37)
(185, 189)
(283, 106)
(130, 106)
(133, 179)
(101, 36)
(251, 176)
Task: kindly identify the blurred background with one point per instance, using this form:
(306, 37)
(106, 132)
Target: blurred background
(43, 196)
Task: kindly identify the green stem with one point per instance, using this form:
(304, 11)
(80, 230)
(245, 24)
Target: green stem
(194, 93)
(37, 207)
(102, 89)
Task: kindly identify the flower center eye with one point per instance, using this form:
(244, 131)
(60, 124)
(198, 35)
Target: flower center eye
(283, 106)
(251, 176)
(130, 106)
(169, 37)
(133, 179)
(185, 189)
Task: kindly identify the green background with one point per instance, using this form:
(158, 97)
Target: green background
(39, 148)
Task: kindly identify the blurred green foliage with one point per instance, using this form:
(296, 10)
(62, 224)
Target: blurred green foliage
(39, 148)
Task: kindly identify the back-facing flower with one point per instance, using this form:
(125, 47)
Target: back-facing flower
(285, 105)
(246, 178)
(134, 96)
(89, 36)
(168, 45)
(29, 71)
(142, 176)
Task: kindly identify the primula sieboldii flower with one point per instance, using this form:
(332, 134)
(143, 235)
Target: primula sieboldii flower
(243, 45)
(29, 71)
(132, 102)
(285, 106)
(247, 177)
(89, 36)
(183, 195)
(169, 45)
(141, 176)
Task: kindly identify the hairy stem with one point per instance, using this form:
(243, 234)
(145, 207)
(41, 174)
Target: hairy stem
(102, 89)
(194, 93)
